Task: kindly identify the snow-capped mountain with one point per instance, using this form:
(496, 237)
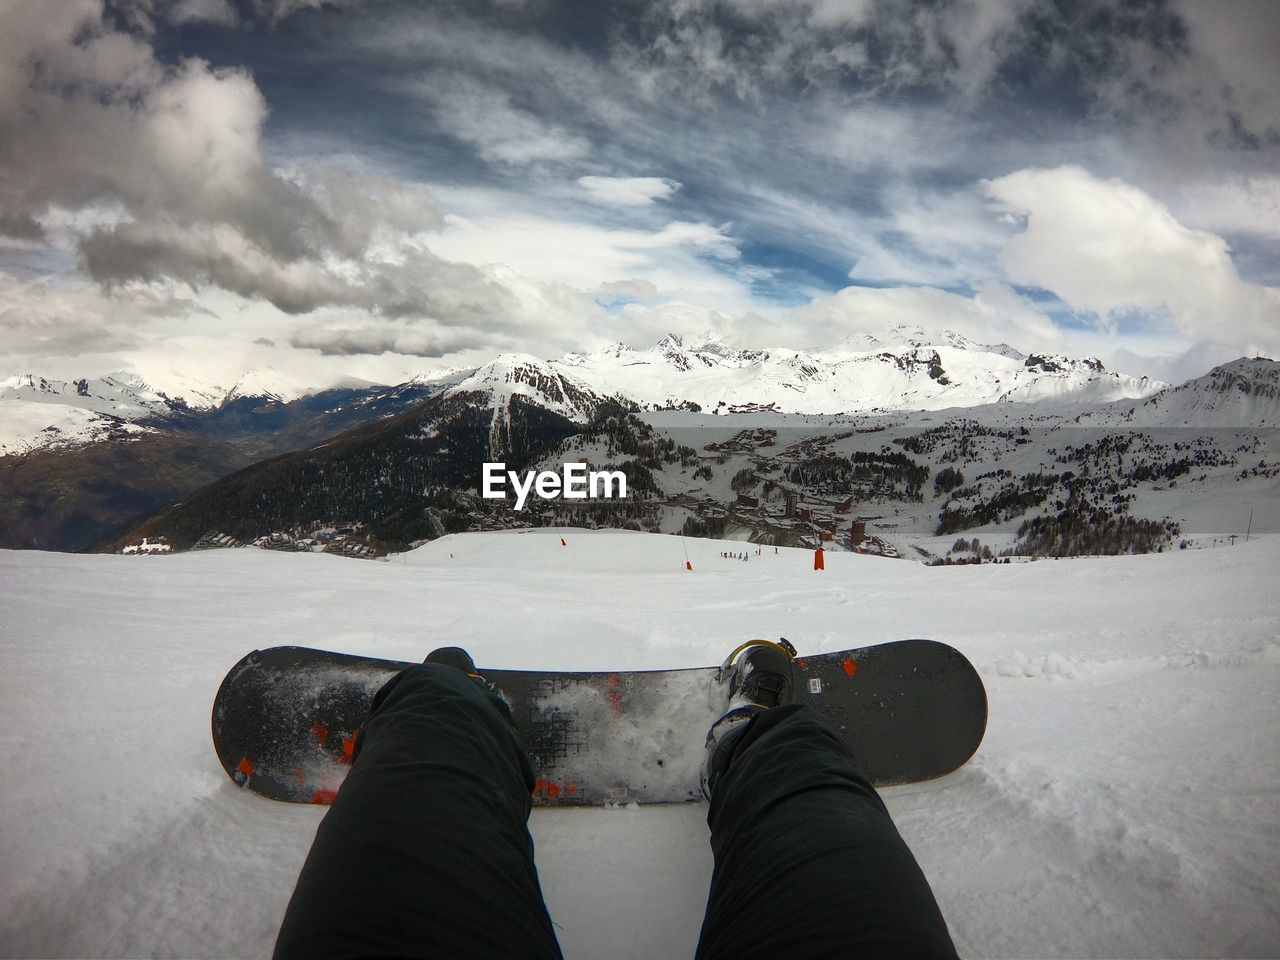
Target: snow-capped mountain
(907, 369)
(512, 387)
(511, 375)
(119, 395)
(78, 458)
(1243, 392)
(37, 413)
(269, 385)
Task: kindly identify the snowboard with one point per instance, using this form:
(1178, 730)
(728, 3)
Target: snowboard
(285, 720)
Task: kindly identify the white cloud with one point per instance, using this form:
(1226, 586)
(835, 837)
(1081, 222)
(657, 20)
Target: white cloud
(683, 259)
(1242, 203)
(1175, 367)
(1107, 247)
(628, 191)
(502, 133)
(995, 314)
(634, 289)
(46, 317)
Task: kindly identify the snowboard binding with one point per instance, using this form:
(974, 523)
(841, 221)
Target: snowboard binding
(759, 672)
(759, 675)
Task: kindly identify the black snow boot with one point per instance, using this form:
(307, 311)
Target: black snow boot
(459, 659)
(760, 678)
(454, 657)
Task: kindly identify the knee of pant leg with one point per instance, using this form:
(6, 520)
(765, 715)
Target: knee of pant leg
(783, 752)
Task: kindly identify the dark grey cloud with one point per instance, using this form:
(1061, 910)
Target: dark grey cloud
(153, 252)
(20, 226)
(171, 157)
(377, 340)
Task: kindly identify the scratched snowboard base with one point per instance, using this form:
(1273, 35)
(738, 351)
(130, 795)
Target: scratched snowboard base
(285, 720)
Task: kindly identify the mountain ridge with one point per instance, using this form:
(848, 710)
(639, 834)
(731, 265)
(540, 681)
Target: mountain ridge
(516, 400)
(905, 368)
(1001, 469)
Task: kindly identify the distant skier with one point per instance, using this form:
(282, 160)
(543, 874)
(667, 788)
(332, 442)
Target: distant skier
(426, 849)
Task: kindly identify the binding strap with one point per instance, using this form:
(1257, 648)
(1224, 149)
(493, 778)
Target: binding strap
(783, 646)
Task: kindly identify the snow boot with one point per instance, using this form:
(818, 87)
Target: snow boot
(760, 678)
(454, 657)
(459, 659)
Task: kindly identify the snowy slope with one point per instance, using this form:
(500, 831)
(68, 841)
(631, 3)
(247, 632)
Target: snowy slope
(38, 413)
(1244, 391)
(1123, 803)
(25, 427)
(120, 395)
(270, 384)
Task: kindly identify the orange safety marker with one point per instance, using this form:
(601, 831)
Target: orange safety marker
(321, 733)
(850, 667)
(323, 796)
(348, 750)
(562, 543)
(688, 565)
(245, 767)
(818, 562)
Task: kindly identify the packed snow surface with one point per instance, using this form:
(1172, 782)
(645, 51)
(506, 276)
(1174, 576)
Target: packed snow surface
(1124, 802)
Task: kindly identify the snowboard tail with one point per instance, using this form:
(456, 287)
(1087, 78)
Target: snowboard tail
(285, 720)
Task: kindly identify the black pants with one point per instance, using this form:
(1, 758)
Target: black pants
(426, 849)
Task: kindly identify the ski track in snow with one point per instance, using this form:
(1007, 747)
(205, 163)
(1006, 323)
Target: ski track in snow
(1125, 802)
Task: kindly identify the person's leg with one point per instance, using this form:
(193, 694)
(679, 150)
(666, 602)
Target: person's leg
(426, 849)
(808, 862)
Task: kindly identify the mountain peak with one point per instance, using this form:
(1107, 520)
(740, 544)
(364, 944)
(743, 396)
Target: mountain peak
(270, 384)
(511, 375)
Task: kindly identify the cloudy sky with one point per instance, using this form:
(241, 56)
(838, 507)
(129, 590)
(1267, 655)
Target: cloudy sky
(375, 189)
